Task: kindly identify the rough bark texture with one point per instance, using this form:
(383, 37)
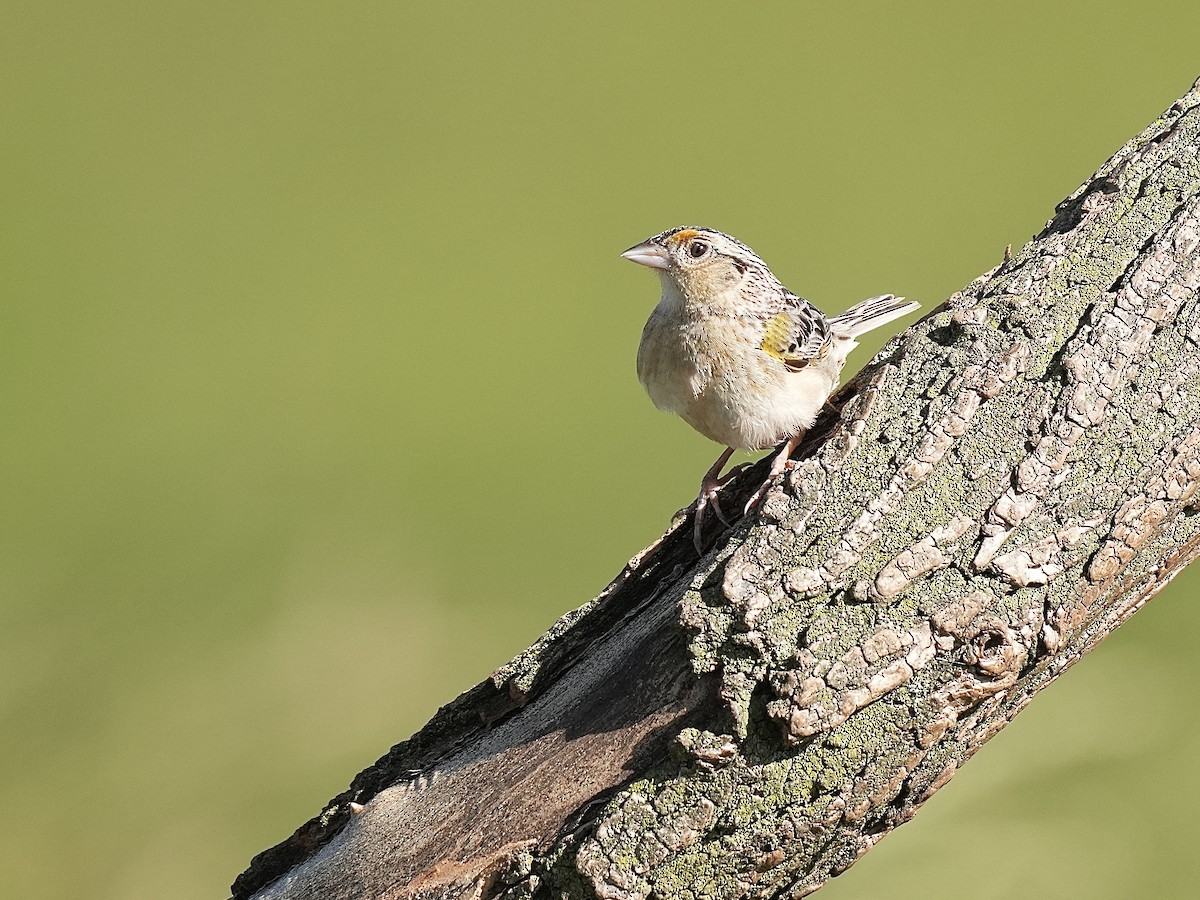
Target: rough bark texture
(1001, 487)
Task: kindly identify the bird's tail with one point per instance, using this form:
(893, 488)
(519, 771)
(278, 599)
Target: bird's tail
(862, 317)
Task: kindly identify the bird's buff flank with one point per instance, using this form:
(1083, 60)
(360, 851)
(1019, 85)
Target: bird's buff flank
(737, 355)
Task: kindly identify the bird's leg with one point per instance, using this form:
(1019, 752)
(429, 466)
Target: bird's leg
(708, 495)
(709, 487)
(778, 464)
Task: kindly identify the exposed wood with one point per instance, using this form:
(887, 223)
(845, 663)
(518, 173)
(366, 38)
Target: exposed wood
(1003, 485)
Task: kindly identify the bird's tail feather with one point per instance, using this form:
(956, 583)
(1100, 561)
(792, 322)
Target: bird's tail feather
(872, 313)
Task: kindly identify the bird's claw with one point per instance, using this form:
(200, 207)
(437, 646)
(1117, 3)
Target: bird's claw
(707, 498)
(714, 481)
(709, 490)
(698, 520)
(782, 462)
(758, 496)
(716, 508)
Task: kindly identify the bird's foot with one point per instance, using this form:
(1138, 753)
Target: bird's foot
(709, 488)
(781, 462)
(703, 501)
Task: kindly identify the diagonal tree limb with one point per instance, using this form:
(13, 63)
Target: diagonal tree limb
(1005, 483)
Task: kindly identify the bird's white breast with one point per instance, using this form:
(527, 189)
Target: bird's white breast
(667, 364)
(709, 370)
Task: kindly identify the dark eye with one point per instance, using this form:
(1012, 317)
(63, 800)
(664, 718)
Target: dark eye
(697, 249)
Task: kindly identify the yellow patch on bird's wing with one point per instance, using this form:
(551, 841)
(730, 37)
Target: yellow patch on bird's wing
(686, 235)
(778, 336)
(778, 340)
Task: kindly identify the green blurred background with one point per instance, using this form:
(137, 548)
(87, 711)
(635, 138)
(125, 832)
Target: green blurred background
(316, 375)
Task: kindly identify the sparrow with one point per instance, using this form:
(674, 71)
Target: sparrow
(738, 356)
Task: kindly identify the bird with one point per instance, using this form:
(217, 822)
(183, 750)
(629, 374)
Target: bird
(739, 357)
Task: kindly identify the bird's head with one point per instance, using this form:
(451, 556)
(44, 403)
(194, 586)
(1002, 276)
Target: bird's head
(703, 264)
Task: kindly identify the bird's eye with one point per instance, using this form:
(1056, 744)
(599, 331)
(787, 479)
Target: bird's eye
(697, 249)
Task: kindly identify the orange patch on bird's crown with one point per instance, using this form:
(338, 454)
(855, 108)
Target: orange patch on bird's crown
(680, 236)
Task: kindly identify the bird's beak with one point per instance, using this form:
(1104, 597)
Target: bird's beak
(649, 254)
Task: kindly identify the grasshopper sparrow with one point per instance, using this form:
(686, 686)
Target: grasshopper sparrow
(738, 356)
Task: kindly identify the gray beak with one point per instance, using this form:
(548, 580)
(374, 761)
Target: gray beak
(649, 254)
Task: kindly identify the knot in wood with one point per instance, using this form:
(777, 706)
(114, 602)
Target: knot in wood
(996, 650)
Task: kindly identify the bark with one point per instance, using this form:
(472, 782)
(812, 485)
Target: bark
(1003, 485)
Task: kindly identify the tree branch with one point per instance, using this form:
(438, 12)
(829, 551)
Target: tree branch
(1002, 486)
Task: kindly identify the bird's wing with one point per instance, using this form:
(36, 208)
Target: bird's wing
(796, 333)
